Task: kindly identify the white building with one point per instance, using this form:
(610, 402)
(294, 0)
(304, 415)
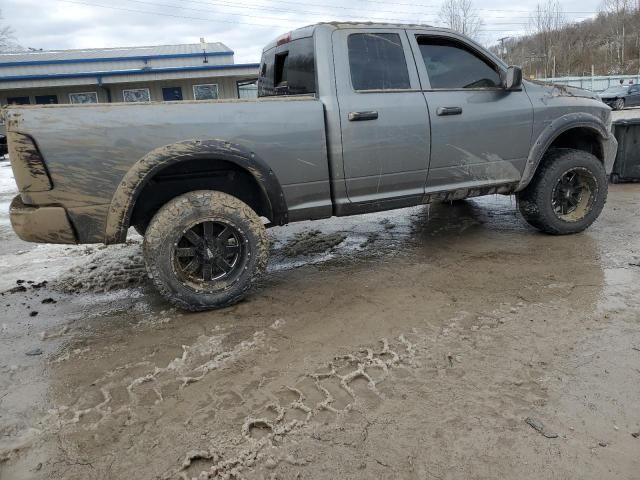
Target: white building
(166, 72)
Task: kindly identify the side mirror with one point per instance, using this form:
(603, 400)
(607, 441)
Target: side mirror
(513, 78)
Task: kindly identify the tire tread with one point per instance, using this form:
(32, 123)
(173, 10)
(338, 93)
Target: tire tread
(532, 201)
(179, 208)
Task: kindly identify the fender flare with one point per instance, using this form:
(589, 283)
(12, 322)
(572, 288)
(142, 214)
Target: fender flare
(126, 195)
(551, 132)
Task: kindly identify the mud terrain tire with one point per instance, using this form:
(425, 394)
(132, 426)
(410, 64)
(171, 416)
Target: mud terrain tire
(538, 202)
(619, 105)
(170, 238)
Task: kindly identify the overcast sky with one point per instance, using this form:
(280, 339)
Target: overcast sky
(243, 25)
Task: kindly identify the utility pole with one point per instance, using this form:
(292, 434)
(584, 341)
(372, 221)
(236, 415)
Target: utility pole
(623, 45)
(533, 56)
(503, 52)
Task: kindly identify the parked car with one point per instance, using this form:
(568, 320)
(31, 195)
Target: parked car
(351, 119)
(621, 96)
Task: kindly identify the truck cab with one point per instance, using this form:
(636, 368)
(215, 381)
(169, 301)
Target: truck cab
(418, 113)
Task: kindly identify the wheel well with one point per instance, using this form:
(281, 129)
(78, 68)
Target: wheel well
(198, 174)
(580, 138)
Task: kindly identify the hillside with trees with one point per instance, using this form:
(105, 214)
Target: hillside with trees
(553, 47)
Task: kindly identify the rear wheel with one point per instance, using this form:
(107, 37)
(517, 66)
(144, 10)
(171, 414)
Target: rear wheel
(619, 105)
(567, 193)
(205, 249)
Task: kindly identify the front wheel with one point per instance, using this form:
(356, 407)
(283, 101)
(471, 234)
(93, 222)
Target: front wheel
(567, 194)
(205, 249)
(619, 105)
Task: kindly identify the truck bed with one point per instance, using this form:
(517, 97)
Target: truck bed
(88, 148)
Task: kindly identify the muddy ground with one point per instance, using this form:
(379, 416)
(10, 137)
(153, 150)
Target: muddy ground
(441, 342)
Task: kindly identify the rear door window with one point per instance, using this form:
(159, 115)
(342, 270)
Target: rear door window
(452, 65)
(377, 62)
(288, 69)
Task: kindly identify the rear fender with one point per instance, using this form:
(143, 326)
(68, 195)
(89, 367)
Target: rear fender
(143, 170)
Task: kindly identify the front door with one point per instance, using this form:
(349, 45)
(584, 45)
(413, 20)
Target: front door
(383, 115)
(481, 133)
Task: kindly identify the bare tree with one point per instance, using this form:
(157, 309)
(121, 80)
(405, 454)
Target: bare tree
(619, 10)
(6, 37)
(547, 22)
(459, 15)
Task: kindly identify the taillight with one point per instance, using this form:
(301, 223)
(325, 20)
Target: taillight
(286, 38)
(27, 163)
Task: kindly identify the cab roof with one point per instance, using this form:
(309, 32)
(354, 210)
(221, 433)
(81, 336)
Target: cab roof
(307, 31)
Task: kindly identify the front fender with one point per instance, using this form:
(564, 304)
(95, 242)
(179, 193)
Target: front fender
(136, 178)
(556, 128)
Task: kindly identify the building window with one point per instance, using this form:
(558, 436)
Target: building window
(46, 99)
(136, 95)
(205, 92)
(171, 94)
(84, 97)
(248, 89)
(18, 101)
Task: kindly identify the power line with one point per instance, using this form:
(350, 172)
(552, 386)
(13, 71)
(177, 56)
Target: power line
(369, 14)
(150, 12)
(208, 19)
(298, 12)
(384, 2)
(236, 22)
(253, 6)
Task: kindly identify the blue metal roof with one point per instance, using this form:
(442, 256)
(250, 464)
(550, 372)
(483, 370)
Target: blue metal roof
(137, 71)
(21, 63)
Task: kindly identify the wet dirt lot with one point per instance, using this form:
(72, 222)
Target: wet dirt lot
(408, 344)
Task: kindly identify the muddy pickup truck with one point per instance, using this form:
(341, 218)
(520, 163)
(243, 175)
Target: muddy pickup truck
(350, 119)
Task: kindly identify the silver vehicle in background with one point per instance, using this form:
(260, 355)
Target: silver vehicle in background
(621, 96)
(350, 119)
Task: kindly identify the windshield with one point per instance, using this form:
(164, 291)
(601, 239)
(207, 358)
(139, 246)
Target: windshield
(616, 89)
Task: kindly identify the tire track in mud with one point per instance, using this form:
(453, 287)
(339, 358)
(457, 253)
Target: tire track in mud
(315, 403)
(121, 392)
(331, 389)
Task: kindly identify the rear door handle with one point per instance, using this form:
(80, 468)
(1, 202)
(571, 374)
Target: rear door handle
(443, 111)
(362, 116)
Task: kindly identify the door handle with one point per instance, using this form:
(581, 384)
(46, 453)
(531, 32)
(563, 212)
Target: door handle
(443, 111)
(362, 116)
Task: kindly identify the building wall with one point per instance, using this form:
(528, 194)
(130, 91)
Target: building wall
(227, 88)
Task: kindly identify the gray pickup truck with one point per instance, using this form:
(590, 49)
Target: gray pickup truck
(350, 119)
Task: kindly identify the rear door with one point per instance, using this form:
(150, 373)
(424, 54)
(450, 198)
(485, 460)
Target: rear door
(480, 132)
(383, 114)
